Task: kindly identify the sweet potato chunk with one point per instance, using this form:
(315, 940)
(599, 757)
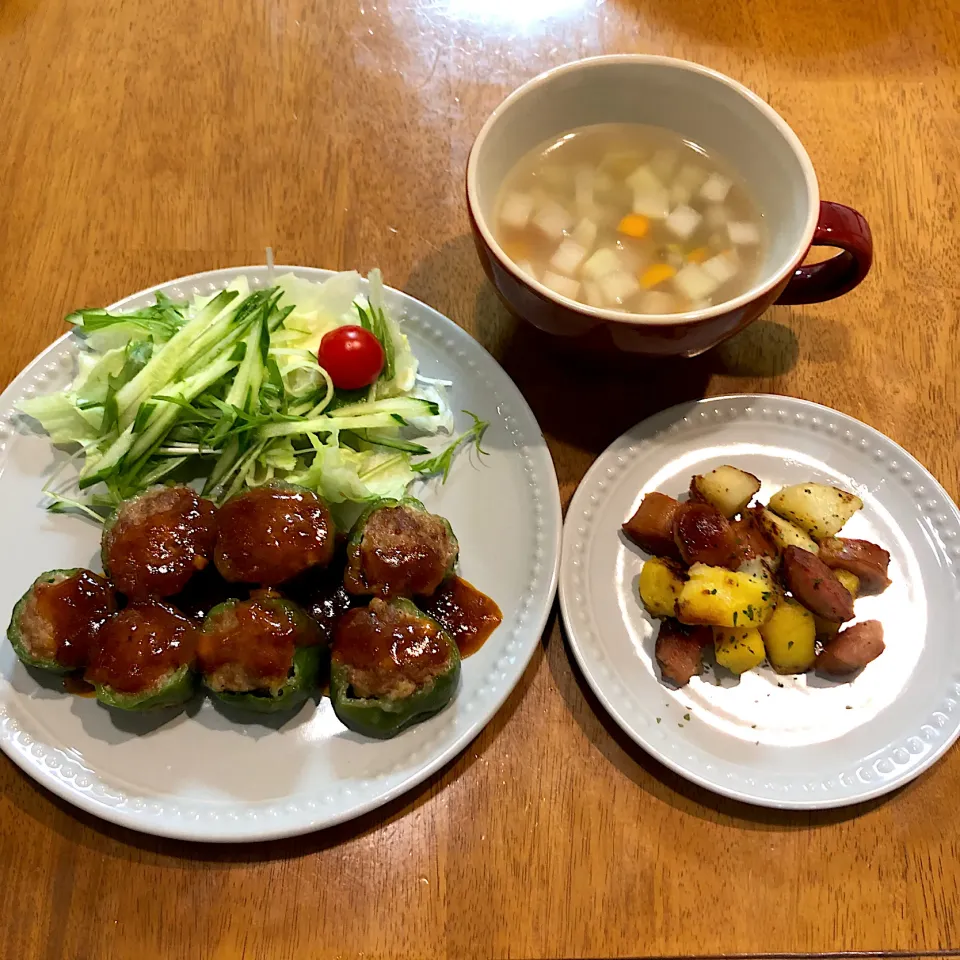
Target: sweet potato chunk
(678, 650)
(814, 584)
(852, 648)
(660, 584)
(721, 598)
(704, 535)
(651, 527)
(739, 650)
(861, 557)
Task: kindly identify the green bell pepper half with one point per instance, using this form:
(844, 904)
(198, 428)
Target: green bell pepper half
(385, 717)
(174, 691)
(15, 631)
(359, 527)
(307, 665)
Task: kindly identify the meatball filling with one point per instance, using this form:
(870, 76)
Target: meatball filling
(392, 666)
(400, 551)
(158, 541)
(142, 649)
(271, 534)
(250, 645)
(59, 617)
(387, 650)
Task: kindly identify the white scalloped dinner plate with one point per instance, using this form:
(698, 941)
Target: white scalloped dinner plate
(200, 776)
(791, 742)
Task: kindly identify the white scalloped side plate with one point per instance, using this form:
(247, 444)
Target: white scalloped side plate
(791, 742)
(201, 776)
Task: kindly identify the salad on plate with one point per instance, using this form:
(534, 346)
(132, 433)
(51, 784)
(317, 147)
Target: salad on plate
(310, 384)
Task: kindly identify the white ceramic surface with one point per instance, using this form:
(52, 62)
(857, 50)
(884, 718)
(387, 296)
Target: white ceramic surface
(704, 106)
(792, 742)
(202, 776)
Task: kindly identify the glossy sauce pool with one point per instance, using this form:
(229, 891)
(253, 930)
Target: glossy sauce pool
(468, 615)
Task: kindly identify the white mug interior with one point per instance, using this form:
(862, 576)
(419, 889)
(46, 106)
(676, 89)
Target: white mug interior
(700, 104)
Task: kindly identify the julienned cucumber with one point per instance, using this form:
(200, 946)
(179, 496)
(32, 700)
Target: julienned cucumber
(401, 406)
(177, 353)
(228, 389)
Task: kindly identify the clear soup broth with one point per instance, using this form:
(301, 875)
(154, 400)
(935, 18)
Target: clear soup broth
(631, 217)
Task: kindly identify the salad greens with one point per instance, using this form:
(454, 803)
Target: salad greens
(227, 388)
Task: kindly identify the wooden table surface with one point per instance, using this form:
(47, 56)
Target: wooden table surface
(146, 139)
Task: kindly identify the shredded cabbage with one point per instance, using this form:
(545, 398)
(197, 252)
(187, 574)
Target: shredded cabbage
(226, 390)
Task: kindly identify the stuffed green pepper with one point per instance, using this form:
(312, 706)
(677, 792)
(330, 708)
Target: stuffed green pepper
(143, 658)
(157, 541)
(391, 666)
(398, 549)
(270, 534)
(262, 654)
(54, 623)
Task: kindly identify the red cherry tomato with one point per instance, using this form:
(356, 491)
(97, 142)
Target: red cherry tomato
(352, 356)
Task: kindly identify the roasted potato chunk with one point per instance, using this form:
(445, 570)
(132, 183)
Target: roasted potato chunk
(860, 557)
(661, 581)
(651, 527)
(850, 580)
(722, 598)
(704, 535)
(816, 508)
(761, 569)
(826, 630)
(678, 650)
(852, 648)
(738, 650)
(789, 637)
(727, 488)
(782, 532)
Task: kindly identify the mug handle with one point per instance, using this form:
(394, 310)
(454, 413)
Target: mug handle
(838, 226)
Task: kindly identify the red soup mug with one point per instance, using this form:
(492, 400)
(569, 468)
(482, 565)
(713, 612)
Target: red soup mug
(711, 110)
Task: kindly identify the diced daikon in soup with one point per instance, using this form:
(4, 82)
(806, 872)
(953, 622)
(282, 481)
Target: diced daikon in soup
(631, 217)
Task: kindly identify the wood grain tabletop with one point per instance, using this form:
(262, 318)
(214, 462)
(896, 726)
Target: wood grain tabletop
(146, 139)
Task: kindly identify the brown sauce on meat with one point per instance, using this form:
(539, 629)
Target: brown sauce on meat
(328, 607)
(321, 593)
(403, 553)
(258, 636)
(159, 541)
(204, 592)
(382, 637)
(139, 646)
(468, 615)
(269, 535)
(74, 609)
